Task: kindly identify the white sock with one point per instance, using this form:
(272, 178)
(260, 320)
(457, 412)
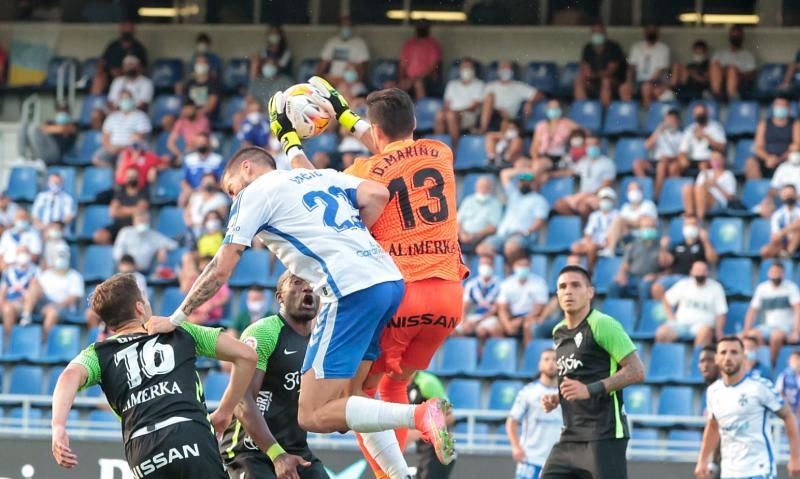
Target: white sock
(370, 415)
(383, 447)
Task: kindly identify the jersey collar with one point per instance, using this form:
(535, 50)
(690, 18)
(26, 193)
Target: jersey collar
(396, 145)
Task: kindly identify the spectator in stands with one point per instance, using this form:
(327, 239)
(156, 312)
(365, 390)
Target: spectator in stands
(16, 281)
(8, 211)
(191, 123)
(212, 235)
(628, 219)
(707, 365)
(734, 68)
(126, 265)
(421, 63)
(480, 301)
(639, 267)
(526, 213)
(196, 164)
(462, 103)
(53, 243)
(774, 136)
(701, 309)
(202, 49)
(351, 87)
(753, 364)
(677, 260)
(57, 290)
(699, 140)
(595, 235)
(255, 309)
(787, 173)
(254, 129)
(206, 198)
(504, 147)
(505, 98)
(519, 302)
(714, 189)
(665, 145)
(596, 171)
(202, 88)
(128, 198)
(50, 141)
(145, 162)
(784, 226)
(576, 151)
(551, 138)
(3, 65)
(603, 68)
(276, 52)
(479, 214)
(121, 129)
(342, 49)
(21, 234)
(54, 204)
(110, 65)
(211, 312)
(133, 81)
(692, 80)
(269, 81)
(648, 66)
(788, 382)
(778, 299)
(146, 245)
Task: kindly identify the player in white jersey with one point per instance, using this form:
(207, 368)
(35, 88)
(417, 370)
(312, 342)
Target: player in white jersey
(315, 222)
(531, 430)
(739, 407)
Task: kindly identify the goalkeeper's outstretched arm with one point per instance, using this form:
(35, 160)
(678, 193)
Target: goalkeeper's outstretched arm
(346, 117)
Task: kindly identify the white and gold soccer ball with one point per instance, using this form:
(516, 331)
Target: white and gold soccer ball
(306, 109)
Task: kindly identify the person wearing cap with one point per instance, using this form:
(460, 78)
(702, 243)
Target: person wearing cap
(121, 129)
(53, 204)
(526, 213)
(595, 171)
(342, 49)
(595, 235)
(134, 81)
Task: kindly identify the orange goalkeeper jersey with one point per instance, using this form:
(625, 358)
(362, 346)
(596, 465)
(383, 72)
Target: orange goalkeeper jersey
(418, 227)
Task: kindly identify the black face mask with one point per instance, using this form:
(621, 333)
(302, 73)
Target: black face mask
(701, 119)
(776, 281)
(524, 189)
(133, 182)
(209, 187)
(651, 37)
(126, 37)
(130, 73)
(701, 280)
(736, 41)
(203, 149)
(423, 32)
(790, 201)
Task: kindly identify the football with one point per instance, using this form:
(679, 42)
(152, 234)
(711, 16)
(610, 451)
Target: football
(306, 109)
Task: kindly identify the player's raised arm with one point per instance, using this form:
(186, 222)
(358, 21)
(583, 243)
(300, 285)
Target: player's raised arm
(284, 131)
(83, 371)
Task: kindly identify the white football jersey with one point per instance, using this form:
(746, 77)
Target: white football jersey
(538, 430)
(310, 220)
(742, 411)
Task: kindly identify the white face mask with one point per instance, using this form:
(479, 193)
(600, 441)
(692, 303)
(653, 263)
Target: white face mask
(485, 270)
(576, 141)
(54, 235)
(23, 259)
(690, 232)
(794, 157)
(505, 74)
(255, 307)
(635, 196)
(481, 197)
(142, 227)
(254, 117)
(467, 74)
(213, 225)
(61, 263)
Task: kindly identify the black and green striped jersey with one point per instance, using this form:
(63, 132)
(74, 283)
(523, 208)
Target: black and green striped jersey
(280, 355)
(592, 352)
(148, 379)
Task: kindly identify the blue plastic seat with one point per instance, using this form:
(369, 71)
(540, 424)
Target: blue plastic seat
(99, 264)
(770, 76)
(52, 378)
(754, 192)
(63, 344)
(645, 182)
(652, 315)
(667, 363)
(676, 401)
(383, 70)
(56, 63)
(727, 235)
(687, 440)
(94, 218)
(711, 106)
(539, 114)
(170, 222)
(480, 433)
(604, 273)
(426, 109)
(215, 385)
(742, 118)
(622, 117)
(465, 393)
(459, 356)
(623, 310)
(166, 72)
(558, 262)
(88, 144)
(26, 380)
(104, 421)
(675, 231)
(471, 153)
(230, 107)
(275, 271)
(587, 113)
(567, 78)
(67, 174)
(562, 231)
(671, 200)
(743, 151)
(735, 275)
(557, 188)
(788, 267)
(441, 137)
(656, 114)
(236, 74)
(252, 269)
(167, 187)
(468, 185)
(24, 343)
(502, 394)
(324, 143)
(629, 150)
(95, 181)
(307, 69)
(22, 184)
(164, 105)
(638, 399)
(734, 321)
(760, 232)
(162, 144)
(171, 299)
(90, 104)
(499, 357)
(542, 75)
(530, 359)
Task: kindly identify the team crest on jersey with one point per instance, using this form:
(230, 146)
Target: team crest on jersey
(742, 400)
(578, 339)
(251, 341)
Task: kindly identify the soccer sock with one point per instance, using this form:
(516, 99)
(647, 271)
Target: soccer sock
(376, 469)
(395, 391)
(383, 447)
(370, 415)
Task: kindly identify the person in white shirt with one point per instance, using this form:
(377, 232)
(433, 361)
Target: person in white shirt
(595, 171)
(664, 144)
(206, 198)
(739, 406)
(120, 130)
(595, 235)
(341, 50)
(648, 62)
(16, 280)
(714, 188)
(479, 214)
(462, 103)
(21, 234)
(733, 68)
(532, 431)
(784, 226)
(521, 299)
(52, 205)
(53, 236)
(698, 141)
(701, 309)
(8, 210)
(480, 301)
(146, 245)
(134, 81)
(628, 219)
(503, 98)
(787, 173)
(778, 300)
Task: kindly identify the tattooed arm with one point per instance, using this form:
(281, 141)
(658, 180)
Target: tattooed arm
(631, 371)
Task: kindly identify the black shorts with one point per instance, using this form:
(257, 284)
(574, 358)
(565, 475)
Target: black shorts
(187, 450)
(587, 460)
(258, 466)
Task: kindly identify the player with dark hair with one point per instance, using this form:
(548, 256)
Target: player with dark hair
(151, 382)
(596, 359)
(707, 364)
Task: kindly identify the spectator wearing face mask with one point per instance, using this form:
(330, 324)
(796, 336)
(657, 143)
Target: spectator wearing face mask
(8, 211)
(480, 301)
(110, 64)
(629, 215)
(276, 52)
(146, 245)
(526, 213)
(648, 65)
(16, 281)
(595, 235)
(505, 97)
(144, 162)
(269, 81)
(50, 141)
(351, 87)
(210, 312)
(603, 68)
(197, 164)
(714, 189)
(677, 260)
(521, 298)
(479, 214)
(254, 129)
(255, 309)
(421, 63)
(21, 234)
(551, 138)
(202, 48)
(210, 240)
(462, 103)
(774, 136)
(596, 171)
(692, 79)
(203, 200)
(787, 173)
(504, 147)
(121, 129)
(639, 267)
(54, 204)
(189, 126)
(665, 145)
(126, 265)
(753, 365)
(788, 382)
(733, 68)
(341, 50)
(133, 81)
(53, 243)
(202, 88)
(784, 226)
(699, 140)
(576, 151)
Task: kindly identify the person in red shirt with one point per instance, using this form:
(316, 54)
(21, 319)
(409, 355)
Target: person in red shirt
(146, 162)
(420, 63)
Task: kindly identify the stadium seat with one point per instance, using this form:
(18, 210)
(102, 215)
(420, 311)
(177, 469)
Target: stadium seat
(622, 117)
(26, 380)
(53, 66)
(671, 200)
(656, 114)
(88, 70)
(22, 184)
(441, 137)
(735, 275)
(324, 143)
(604, 272)
(99, 264)
(465, 393)
(743, 151)
(562, 231)
(638, 399)
(542, 75)
(676, 401)
(52, 378)
(753, 193)
(727, 235)
(91, 335)
(91, 103)
(167, 187)
(307, 69)
(587, 113)
(88, 143)
(480, 433)
(759, 236)
(539, 114)
(623, 310)
(236, 74)
(471, 153)
(230, 107)
(468, 185)
(557, 188)
(95, 181)
(166, 72)
(652, 315)
(215, 385)
(538, 265)
(667, 363)
(675, 231)
(502, 394)
(530, 360)
(94, 218)
(170, 300)
(426, 109)
(63, 344)
(501, 436)
(567, 78)
(164, 105)
(645, 182)
(499, 358)
(770, 77)
(252, 269)
(170, 222)
(734, 320)
(93, 392)
(67, 174)
(788, 267)
(687, 440)
(103, 420)
(558, 262)
(711, 106)
(162, 141)
(459, 356)
(742, 118)
(627, 151)
(383, 70)
(24, 343)
(783, 358)
(276, 269)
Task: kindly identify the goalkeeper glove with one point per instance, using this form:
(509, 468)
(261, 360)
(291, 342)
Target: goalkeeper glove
(344, 115)
(280, 124)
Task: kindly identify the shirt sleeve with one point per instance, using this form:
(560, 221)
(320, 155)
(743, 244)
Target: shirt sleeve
(147, 91)
(502, 296)
(541, 209)
(675, 293)
(755, 302)
(686, 140)
(114, 91)
(609, 171)
(540, 292)
(720, 303)
(143, 123)
(794, 294)
(768, 396)
(249, 212)
(88, 359)
(520, 407)
(717, 133)
(611, 336)
(728, 183)
(76, 286)
(774, 222)
(327, 50)
(748, 62)
(205, 339)
(38, 204)
(263, 337)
